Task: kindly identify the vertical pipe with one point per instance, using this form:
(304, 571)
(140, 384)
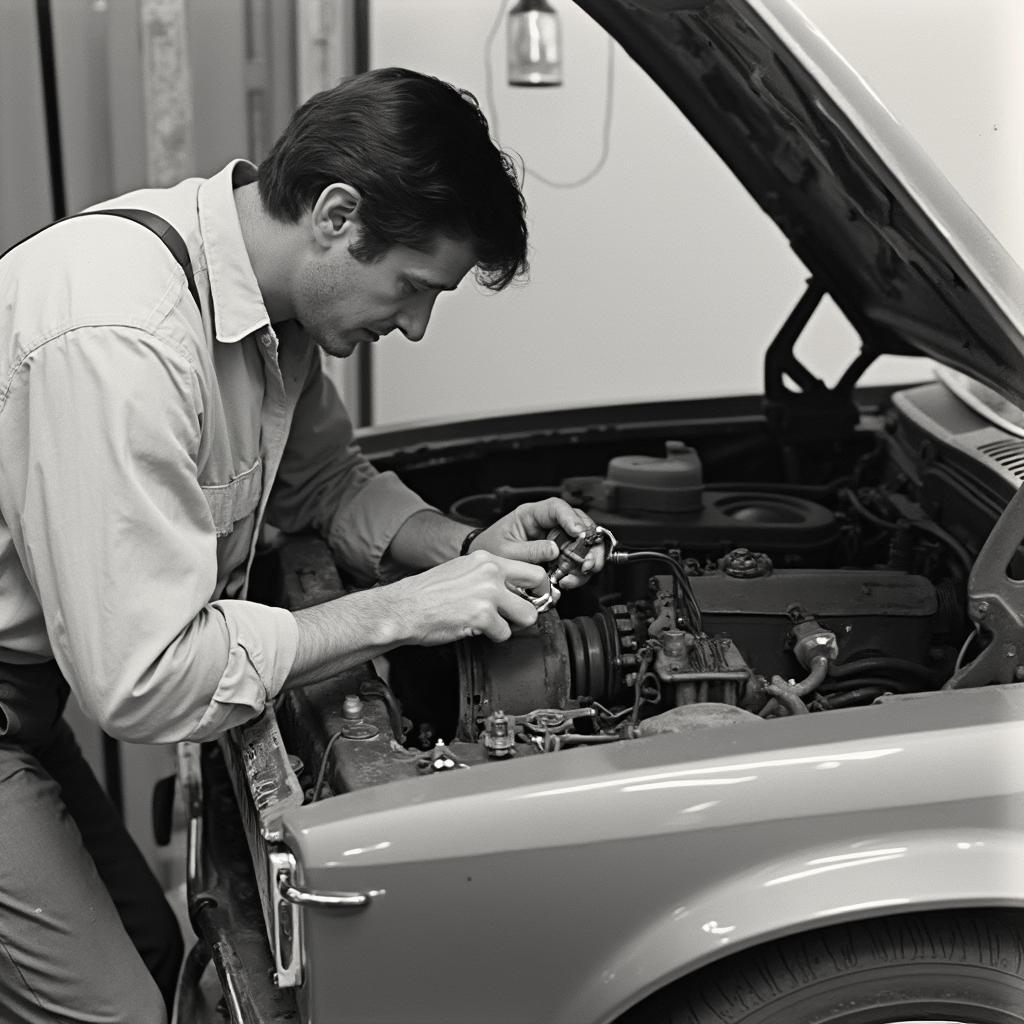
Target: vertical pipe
(361, 62)
(48, 66)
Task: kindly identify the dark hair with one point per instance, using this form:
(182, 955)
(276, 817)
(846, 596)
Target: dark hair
(420, 154)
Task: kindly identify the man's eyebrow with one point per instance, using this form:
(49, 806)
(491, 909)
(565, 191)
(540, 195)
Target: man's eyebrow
(425, 282)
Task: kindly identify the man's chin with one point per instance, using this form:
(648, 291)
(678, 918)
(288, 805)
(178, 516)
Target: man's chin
(339, 348)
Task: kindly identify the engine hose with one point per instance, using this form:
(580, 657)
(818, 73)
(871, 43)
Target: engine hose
(861, 695)
(849, 685)
(782, 697)
(883, 666)
(790, 695)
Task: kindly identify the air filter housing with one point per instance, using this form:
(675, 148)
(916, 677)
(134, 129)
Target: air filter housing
(657, 503)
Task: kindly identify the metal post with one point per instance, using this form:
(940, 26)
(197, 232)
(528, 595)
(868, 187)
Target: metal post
(48, 66)
(364, 368)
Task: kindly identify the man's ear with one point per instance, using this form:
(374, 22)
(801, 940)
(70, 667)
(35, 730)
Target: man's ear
(335, 213)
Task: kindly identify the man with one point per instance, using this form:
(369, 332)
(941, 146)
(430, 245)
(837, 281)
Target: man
(143, 439)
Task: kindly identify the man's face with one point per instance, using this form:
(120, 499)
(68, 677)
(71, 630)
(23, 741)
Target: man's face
(341, 301)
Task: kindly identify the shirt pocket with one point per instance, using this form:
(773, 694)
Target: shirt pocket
(234, 501)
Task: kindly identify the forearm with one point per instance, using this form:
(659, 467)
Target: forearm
(463, 597)
(427, 539)
(342, 633)
(453, 598)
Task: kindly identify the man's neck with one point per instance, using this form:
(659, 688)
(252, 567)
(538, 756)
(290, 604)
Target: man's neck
(272, 246)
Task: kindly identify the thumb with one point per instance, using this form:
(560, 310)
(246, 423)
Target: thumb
(536, 551)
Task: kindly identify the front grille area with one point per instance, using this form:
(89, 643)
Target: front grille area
(1007, 453)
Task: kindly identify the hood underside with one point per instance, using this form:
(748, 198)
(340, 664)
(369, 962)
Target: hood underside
(909, 264)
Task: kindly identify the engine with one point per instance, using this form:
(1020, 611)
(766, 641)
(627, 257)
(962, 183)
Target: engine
(720, 606)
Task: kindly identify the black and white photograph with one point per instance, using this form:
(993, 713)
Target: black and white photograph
(511, 512)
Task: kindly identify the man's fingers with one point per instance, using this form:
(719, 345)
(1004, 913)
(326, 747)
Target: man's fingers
(522, 573)
(496, 630)
(540, 516)
(517, 611)
(570, 519)
(513, 581)
(594, 562)
(537, 552)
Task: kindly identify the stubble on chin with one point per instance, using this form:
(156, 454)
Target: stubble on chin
(338, 348)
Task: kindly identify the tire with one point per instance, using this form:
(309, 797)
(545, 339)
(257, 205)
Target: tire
(960, 967)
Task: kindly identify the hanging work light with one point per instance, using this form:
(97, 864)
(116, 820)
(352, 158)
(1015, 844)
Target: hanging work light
(534, 44)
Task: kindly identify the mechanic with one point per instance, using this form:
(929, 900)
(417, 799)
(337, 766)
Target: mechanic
(144, 439)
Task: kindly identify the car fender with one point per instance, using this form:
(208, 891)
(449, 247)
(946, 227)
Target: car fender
(642, 861)
(884, 874)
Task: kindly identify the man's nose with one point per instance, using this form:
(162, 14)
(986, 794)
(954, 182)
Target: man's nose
(413, 319)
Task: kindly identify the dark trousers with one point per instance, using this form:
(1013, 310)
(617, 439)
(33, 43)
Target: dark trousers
(86, 934)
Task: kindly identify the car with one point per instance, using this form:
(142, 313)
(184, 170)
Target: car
(768, 766)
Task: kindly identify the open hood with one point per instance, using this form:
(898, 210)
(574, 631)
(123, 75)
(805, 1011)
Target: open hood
(876, 224)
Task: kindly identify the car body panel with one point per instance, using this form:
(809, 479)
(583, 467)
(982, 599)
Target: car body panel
(635, 861)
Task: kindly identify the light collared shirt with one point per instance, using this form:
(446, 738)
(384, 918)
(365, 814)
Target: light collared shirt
(139, 441)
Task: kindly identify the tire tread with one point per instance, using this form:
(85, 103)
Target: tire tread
(745, 984)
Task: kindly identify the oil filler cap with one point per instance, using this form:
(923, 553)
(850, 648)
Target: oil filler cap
(648, 483)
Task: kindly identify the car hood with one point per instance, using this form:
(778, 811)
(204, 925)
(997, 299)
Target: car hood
(878, 226)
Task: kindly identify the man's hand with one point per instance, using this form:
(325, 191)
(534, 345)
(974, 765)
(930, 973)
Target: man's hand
(479, 595)
(520, 535)
(471, 596)
(463, 597)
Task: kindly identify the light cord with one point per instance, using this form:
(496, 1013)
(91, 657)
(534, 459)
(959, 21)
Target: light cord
(492, 110)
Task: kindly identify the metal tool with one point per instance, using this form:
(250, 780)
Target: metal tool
(572, 553)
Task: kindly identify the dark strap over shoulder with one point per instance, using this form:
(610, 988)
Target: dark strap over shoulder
(165, 232)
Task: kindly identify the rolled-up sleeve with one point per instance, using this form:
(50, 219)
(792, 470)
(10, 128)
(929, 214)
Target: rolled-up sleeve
(261, 644)
(99, 441)
(326, 483)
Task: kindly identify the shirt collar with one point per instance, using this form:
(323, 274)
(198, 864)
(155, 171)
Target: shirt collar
(237, 302)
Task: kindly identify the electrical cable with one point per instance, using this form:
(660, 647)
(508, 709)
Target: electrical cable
(641, 677)
(679, 576)
(975, 633)
(321, 774)
(492, 110)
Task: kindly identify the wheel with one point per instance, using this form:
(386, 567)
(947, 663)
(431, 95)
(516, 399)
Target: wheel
(954, 967)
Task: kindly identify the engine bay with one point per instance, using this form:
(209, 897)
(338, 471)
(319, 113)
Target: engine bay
(829, 577)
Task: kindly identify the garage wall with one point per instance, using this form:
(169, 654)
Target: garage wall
(242, 71)
(659, 277)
